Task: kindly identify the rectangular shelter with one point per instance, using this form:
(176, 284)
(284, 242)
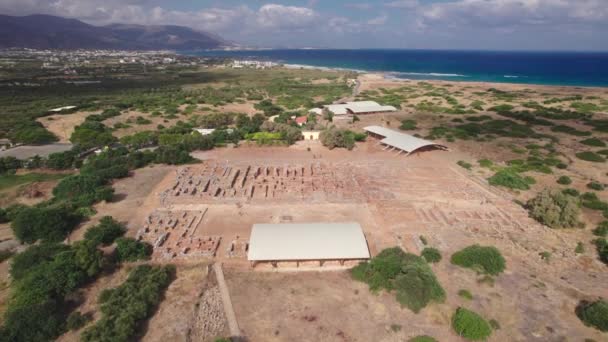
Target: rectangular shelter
(358, 107)
(401, 141)
(304, 242)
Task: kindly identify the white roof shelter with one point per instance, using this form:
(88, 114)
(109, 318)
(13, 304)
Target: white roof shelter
(404, 142)
(204, 131)
(316, 111)
(358, 107)
(307, 241)
(61, 109)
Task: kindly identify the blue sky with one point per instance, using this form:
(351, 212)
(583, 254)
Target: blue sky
(421, 24)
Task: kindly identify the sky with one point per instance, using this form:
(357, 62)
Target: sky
(412, 24)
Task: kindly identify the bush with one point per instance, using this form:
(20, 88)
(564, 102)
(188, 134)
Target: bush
(105, 232)
(564, 180)
(571, 192)
(76, 320)
(597, 186)
(470, 325)
(591, 201)
(485, 163)
(594, 142)
(554, 209)
(408, 274)
(125, 308)
(590, 157)
(4, 216)
(464, 164)
(594, 314)
(50, 224)
(422, 338)
(431, 255)
(510, 179)
(580, 248)
(333, 137)
(408, 125)
(602, 249)
(483, 259)
(466, 294)
(128, 249)
(601, 230)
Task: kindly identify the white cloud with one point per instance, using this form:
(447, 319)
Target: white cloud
(273, 16)
(360, 5)
(515, 13)
(378, 21)
(403, 4)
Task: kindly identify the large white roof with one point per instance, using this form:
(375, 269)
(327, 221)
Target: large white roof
(402, 141)
(359, 107)
(307, 241)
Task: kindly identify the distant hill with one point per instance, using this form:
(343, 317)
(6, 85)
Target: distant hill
(51, 32)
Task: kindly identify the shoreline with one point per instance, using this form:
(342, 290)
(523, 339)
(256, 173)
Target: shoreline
(390, 76)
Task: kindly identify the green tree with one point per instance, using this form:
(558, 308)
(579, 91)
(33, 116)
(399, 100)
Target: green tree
(554, 209)
(128, 249)
(50, 224)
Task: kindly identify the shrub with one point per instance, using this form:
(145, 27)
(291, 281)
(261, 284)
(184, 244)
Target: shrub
(333, 137)
(466, 294)
(554, 209)
(76, 320)
(4, 216)
(49, 224)
(597, 186)
(571, 192)
(594, 142)
(601, 230)
(495, 325)
(5, 255)
(470, 325)
(602, 249)
(485, 163)
(590, 157)
(105, 232)
(591, 201)
(484, 259)
(564, 180)
(510, 179)
(125, 308)
(128, 249)
(422, 338)
(412, 278)
(580, 248)
(408, 125)
(594, 314)
(464, 164)
(546, 256)
(431, 255)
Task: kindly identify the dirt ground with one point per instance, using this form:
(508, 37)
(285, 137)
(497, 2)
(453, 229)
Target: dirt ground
(62, 125)
(129, 195)
(408, 197)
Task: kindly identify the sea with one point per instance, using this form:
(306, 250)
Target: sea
(547, 68)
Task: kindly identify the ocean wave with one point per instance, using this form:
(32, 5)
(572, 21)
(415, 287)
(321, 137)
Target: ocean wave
(512, 76)
(433, 74)
(316, 67)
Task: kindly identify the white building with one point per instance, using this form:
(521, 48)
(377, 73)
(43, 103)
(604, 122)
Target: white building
(358, 107)
(307, 242)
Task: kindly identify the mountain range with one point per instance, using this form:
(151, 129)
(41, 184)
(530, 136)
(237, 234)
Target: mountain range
(52, 32)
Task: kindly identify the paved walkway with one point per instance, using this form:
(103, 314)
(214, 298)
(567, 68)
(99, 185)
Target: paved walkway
(228, 309)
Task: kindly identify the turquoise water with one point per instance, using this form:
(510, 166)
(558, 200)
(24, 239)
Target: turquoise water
(550, 68)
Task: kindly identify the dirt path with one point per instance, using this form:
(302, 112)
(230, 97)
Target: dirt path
(228, 309)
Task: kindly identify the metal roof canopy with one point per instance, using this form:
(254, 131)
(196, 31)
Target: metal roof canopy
(402, 141)
(307, 241)
(358, 107)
